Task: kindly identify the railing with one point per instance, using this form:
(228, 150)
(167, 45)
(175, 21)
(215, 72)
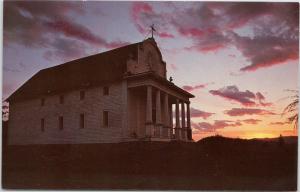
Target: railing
(160, 131)
(157, 130)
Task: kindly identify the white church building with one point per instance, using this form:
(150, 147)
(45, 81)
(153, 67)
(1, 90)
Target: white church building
(115, 96)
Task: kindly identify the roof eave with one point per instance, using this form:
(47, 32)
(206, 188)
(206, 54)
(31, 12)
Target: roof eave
(151, 74)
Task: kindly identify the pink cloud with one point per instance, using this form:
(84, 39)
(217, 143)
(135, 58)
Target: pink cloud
(247, 111)
(211, 27)
(198, 113)
(199, 86)
(165, 35)
(193, 32)
(245, 98)
(173, 67)
(218, 124)
(137, 9)
(279, 123)
(212, 47)
(192, 88)
(242, 13)
(143, 16)
(251, 121)
(213, 41)
(116, 44)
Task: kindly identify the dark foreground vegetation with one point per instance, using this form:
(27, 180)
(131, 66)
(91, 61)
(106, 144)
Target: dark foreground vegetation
(214, 163)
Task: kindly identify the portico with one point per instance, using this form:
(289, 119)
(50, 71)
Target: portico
(165, 115)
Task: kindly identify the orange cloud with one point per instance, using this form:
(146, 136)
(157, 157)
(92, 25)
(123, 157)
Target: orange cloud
(247, 111)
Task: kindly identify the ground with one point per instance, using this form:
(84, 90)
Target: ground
(214, 163)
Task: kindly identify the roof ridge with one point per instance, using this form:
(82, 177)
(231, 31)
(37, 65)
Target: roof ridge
(98, 68)
(89, 56)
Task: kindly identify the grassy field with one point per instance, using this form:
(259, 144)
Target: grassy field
(214, 163)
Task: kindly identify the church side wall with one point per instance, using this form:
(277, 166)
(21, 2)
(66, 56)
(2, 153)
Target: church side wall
(25, 118)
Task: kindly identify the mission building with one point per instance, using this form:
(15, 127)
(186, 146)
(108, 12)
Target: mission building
(115, 96)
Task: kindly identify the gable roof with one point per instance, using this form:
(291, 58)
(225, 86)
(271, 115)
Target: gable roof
(96, 69)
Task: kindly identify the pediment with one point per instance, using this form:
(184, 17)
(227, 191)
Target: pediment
(149, 59)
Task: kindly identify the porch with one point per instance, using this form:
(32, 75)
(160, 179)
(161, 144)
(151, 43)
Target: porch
(158, 111)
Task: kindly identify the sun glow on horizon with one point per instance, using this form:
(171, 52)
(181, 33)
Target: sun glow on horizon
(259, 134)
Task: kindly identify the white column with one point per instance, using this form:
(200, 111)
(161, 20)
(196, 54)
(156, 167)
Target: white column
(183, 126)
(177, 131)
(158, 113)
(188, 123)
(171, 119)
(149, 122)
(166, 112)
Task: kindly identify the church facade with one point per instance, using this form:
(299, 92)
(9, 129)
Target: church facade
(115, 96)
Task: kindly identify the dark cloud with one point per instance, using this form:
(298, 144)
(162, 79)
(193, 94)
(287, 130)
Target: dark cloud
(143, 16)
(19, 68)
(239, 14)
(265, 51)
(37, 24)
(279, 123)
(251, 121)
(24, 22)
(198, 113)
(218, 124)
(261, 99)
(199, 86)
(246, 98)
(213, 42)
(70, 29)
(66, 49)
(260, 96)
(8, 69)
(212, 26)
(247, 111)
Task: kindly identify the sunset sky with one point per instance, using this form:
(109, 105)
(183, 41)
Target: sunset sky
(238, 59)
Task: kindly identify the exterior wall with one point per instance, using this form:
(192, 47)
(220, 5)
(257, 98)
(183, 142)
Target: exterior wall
(149, 59)
(25, 118)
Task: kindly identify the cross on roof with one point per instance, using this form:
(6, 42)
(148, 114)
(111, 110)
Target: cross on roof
(152, 30)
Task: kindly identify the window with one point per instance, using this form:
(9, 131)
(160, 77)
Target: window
(61, 99)
(42, 124)
(42, 101)
(81, 121)
(105, 90)
(82, 94)
(61, 122)
(105, 118)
